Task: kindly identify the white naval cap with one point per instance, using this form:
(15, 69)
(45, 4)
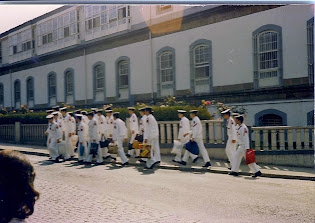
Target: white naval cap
(49, 116)
(55, 113)
(181, 111)
(226, 111)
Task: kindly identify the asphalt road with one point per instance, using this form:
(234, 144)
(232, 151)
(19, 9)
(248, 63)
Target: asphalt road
(109, 193)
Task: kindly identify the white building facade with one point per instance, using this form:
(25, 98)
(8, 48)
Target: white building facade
(259, 57)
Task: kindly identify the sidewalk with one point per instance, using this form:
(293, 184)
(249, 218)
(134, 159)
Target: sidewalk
(218, 166)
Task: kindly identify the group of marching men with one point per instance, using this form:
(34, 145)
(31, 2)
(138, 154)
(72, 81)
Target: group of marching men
(82, 129)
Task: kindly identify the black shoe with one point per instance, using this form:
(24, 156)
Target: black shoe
(107, 157)
(229, 168)
(233, 173)
(207, 164)
(158, 162)
(195, 160)
(257, 174)
(125, 164)
(137, 157)
(75, 150)
(128, 155)
(148, 168)
(142, 161)
(80, 161)
(113, 158)
(183, 163)
(97, 164)
(175, 161)
(228, 161)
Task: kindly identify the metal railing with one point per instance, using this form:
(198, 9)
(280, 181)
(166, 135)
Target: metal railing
(7, 133)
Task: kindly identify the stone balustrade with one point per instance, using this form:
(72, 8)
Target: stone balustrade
(282, 138)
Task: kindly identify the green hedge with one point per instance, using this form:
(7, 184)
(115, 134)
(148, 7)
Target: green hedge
(160, 113)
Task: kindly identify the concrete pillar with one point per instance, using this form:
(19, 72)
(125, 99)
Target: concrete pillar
(218, 131)
(211, 132)
(273, 139)
(204, 131)
(282, 143)
(168, 133)
(17, 132)
(306, 139)
(257, 139)
(290, 139)
(162, 132)
(265, 140)
(298, 139)
(175, 130)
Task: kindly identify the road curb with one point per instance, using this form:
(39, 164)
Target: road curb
(191, 169)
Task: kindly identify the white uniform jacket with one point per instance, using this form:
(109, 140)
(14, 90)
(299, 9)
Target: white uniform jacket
(243, 136)
(142, 124)
(133, 123)
(83, 132)
(93, 131)
(101, 121)
(196, 128)
(184, 128)
(73, 123)
(231, 129)
(54, 132)
(151, 128)
(120, 129)
(67, 124)
(85, 119)
(109, 126)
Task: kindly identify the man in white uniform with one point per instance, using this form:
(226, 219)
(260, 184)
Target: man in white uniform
(47, 132)
(94, 137)
(134, 129)
(231, 133)
(243, 145)
(142, 124)
(68, 130)
(109, 128)
(183, 136)
(151, 137)
(101, 122)
(196, 129)
(56, 109)
(54, 135)
(119, 136)
(85, 118)
(82, 137)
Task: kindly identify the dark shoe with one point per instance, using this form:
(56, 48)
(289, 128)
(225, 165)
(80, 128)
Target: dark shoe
(158, 162)
(195, 160)
(229, 168)
(107, 157)
(142, 161)
(233, 173)
(125, 164)
(113, 158)
(128, 155)
(183, 163)
(257, 174)
(207, 164)
(137, 157)
(148, 168)
(228, 161)
(97, 164)
(75, 150)
(175, 161)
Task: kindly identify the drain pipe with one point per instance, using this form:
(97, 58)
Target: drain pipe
(151, 54)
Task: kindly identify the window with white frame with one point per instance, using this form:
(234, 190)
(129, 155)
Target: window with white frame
(1, 94)
(57, 28)
(30, 88)
(17, 91)
(166, 67)
(20, 42)
(105, 16)
(52, 85)
(201, 61)
(310, 49)
(268, 54)
(69, 82)
(123, 69)
(99, 77)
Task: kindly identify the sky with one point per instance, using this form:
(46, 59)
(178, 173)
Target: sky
(14, 15)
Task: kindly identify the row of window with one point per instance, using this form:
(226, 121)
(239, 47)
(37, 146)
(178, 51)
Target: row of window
(267, 51)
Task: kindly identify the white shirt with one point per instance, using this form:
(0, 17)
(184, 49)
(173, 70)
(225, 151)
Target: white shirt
(231, 128)
(109, 126)
(83, 132)
(142, 123)
(101, 121)
(196, 128)
(54, 131)
(133, 123)
(120, 129)
(93, 130)
(151, 128)
(66, 124)
(184, 128)
(242, 136)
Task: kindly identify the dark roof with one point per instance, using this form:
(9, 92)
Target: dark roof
(35, 20)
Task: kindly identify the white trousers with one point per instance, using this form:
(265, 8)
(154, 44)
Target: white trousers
(69, 146)
(121, 152)
(132, 151)
(202, 150)
(230, 149)
(53, 150)
(155, 152)
(188, 154)
(238, 155)
(178, 156)
(99, 157)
